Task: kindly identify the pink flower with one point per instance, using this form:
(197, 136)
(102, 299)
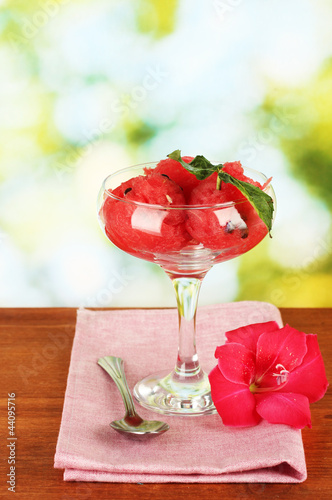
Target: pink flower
(267, 372)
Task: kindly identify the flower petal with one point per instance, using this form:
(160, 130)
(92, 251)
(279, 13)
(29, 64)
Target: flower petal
(285, 347)
(248, 335)
(234, 402)
(284, 408)
(309, 378)
(236, 363)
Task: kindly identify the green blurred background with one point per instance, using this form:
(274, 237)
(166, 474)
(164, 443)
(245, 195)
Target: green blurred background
(88, 87)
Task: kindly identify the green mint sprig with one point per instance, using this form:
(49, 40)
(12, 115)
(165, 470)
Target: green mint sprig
(203, 168)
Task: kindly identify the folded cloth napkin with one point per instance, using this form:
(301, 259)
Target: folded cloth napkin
(195, 449)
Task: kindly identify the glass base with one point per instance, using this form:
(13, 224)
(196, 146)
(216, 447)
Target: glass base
(160, 392)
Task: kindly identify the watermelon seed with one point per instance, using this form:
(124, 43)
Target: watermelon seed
(164, 175)
(127, 190)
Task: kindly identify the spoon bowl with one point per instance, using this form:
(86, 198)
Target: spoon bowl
(144, 427)
(131, 423)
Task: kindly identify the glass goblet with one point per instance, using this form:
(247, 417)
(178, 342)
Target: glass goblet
(185, 241)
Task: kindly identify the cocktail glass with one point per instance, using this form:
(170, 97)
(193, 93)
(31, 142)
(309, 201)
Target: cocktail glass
(162, 234)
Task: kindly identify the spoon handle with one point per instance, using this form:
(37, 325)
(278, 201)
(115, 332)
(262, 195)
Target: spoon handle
(115, 368)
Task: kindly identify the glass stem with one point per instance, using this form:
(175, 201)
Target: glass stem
(187, 364)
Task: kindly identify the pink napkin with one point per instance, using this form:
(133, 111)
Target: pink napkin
(195, 449)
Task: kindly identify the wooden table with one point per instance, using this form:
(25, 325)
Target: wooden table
(35, 348)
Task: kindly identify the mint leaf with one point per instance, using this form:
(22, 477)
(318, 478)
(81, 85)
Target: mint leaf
(262, 202)
(203, 168)
(199, 166)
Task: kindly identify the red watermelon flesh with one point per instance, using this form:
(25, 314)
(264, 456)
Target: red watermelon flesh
(177, 173)
(145, 232)
(142, 230)
(234, 229)
(235, 169)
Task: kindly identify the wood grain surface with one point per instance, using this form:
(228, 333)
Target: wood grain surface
(35, 353)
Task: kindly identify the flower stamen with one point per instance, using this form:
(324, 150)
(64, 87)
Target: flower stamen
(282, 376)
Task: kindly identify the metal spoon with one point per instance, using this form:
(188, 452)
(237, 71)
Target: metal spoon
(131, 423)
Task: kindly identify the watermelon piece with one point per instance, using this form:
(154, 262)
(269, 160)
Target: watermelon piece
(177, 173)
(141, 230)
(234, 229)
